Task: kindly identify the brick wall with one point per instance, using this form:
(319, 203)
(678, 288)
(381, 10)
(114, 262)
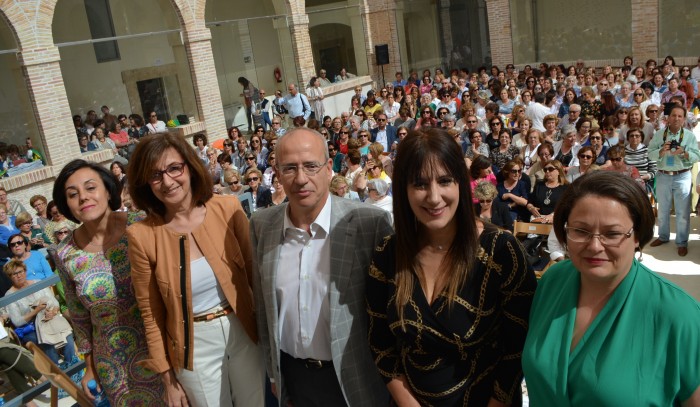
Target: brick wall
(498, 12)
(645, 36)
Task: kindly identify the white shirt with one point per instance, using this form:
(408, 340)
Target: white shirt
(695, 73)
(206, 290)
(381, 138)
(536, 112)
(302, 288)
(157, 128)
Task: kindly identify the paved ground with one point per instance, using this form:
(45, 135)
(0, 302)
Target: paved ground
(684, 271)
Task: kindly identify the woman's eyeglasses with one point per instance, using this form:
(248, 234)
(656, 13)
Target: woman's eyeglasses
(173, 171)
(549, 169)
(585, 157)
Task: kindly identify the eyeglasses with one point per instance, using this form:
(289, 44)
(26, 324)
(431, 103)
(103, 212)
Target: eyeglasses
(549, 169)
(638, 94)
(485, 201)
(585, 157)
(595, 137)
(16, 243)
(235, 182)
(250, 158)
(252, 179)
(610, 239)
(616, 159)
(344, 132)
(574, 111)
(62, 232)
(496, 123)
(653, 111)
(173, 171)
(254, 140)
(363, 135)
(427, 112)
(402, 134)
(472, 121)
(16, 273)
(516, 171)
(310, 169)
(381, 120)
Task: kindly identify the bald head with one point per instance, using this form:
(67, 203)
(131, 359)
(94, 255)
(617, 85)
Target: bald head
(301, 136)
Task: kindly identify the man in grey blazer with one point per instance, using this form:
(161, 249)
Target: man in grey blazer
(311, 257)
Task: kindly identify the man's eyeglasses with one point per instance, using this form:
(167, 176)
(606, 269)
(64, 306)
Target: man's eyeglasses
(173, 171)
(310, 169)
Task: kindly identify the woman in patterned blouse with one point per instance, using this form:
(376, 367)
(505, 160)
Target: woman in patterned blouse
(448, 296)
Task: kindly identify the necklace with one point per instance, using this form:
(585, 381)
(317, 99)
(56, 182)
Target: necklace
(547, 201)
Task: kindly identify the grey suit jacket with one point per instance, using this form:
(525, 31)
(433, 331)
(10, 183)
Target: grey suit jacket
(356, 229)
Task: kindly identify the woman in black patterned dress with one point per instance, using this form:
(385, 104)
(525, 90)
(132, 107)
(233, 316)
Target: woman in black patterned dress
(448, 296)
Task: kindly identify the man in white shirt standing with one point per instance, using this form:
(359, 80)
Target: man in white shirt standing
(537, 111)
(311, 256)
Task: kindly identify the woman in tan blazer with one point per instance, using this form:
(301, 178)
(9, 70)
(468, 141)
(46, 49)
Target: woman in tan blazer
(191, 270)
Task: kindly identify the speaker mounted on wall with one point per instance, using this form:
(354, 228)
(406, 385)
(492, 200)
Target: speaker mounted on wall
(381, 51)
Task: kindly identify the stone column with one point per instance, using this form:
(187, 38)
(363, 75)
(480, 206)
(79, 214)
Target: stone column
(380, 21)
(500, 31)
(301, 44)
(47, 93)
(446, 27)
(645, 41)
(206, 85)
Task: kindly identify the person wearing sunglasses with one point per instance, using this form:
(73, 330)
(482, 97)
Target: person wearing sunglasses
(154, 125)
(37, 239)
(636, 120)
(637, 155)
(261, 195)
(633, 317)
(233, 179)
(586, 157)
(37, 266)
(514, 189)
(546, 193)
(600, 148)
(616, 155)
(427, 118)
(489, 208)
(191, 268)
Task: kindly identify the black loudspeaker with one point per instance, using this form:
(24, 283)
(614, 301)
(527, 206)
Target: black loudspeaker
(382, 53)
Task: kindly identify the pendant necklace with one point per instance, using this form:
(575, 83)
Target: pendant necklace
(546, 197)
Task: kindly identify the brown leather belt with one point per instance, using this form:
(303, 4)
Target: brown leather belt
(674, 172)
(214, 315)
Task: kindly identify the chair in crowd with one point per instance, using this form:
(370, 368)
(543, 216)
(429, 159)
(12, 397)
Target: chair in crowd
(58, 379)
(542, 230)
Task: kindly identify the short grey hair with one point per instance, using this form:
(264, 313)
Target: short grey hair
(380, 185)
(569, 128)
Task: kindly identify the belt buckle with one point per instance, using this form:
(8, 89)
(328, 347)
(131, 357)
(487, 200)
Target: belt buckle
(313, 364)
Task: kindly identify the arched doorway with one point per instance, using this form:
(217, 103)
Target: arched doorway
(250, 40)
(127, 55)
(17, 121)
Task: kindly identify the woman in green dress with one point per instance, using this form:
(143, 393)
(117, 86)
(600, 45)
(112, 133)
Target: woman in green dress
(604, 329)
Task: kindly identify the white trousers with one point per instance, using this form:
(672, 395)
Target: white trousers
(227, 366)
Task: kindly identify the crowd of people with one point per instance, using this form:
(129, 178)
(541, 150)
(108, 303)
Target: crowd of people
(365, 258)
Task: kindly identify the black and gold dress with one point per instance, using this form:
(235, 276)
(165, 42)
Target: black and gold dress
(461, 355)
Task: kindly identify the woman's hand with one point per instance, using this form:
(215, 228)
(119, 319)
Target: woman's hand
(535, 211)
(401, 392)
(175, 395)
(89, 375)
